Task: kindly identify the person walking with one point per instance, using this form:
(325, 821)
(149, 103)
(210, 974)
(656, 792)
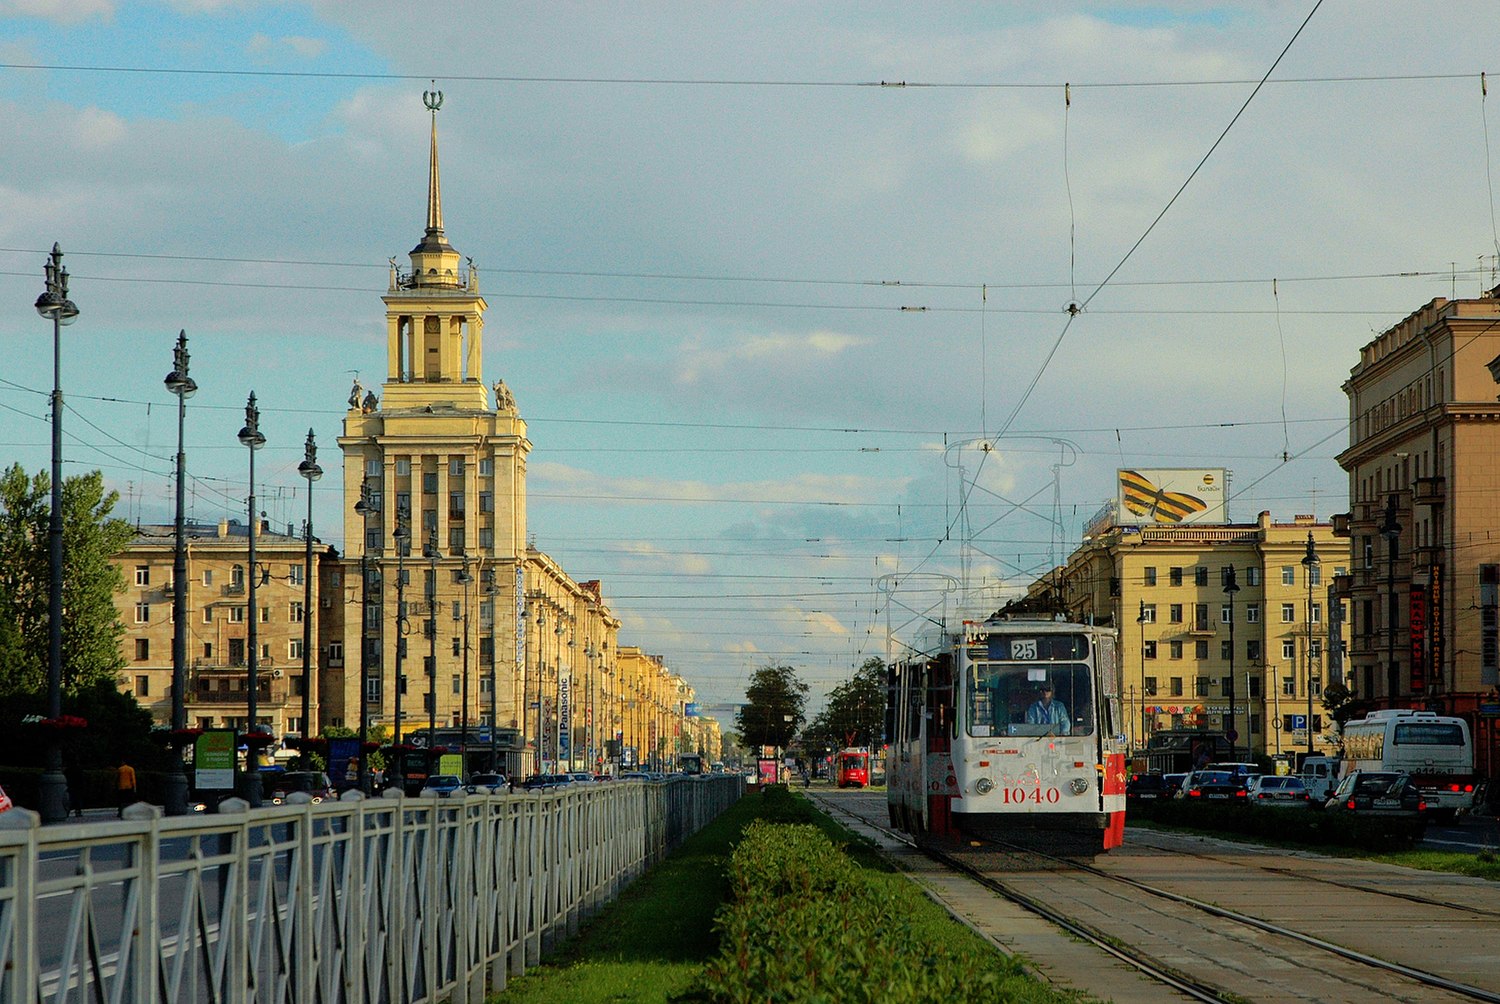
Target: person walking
(125, 787)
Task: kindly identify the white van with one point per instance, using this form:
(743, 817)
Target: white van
(1320, 775)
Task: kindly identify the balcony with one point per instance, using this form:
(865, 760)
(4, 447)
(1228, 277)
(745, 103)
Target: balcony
(1429, 491)
(1341, 521)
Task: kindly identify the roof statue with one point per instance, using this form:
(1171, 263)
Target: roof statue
(503, 399)
(354, 394)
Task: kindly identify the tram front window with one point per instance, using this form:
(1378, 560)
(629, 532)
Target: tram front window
(1008, 699)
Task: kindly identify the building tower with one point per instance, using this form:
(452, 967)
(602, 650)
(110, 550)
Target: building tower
(437, 445)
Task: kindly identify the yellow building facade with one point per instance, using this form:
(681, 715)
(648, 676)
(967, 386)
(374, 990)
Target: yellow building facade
(1252, 660)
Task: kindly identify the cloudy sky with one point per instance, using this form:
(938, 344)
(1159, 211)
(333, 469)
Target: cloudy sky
(760, 307)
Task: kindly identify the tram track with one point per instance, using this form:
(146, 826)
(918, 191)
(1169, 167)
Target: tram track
(983, 868)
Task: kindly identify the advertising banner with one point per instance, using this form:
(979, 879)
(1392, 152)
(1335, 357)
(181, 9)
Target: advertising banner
(1171, 496)
(564, 719)
(213, 760)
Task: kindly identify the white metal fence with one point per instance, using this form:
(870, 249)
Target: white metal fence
(382, 901)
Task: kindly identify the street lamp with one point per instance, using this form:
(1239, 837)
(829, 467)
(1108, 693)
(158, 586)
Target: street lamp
(251, 436)
(1390, 529)
(541, 624)
(54, 303)
(492, 590)
(402, 535)
(1138, 725)
(557, 706)
(366, 508)
(464, 578)
(182, 385)
(310, 470)
(430, 552)
(1231, 586)
(1310, 562)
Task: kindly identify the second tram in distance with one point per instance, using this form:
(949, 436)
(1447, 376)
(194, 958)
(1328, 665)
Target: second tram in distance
(1010, 730)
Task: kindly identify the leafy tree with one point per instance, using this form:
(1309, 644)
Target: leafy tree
(772, 712)
(91, 538)
(856, 708)
(1341, 703)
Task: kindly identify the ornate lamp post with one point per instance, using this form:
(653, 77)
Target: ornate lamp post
(54, 303)
(182, 385)
(464, 578)
(1310, 561)
(541, 624)
(1231, 586)
(310, 470)
(251, 436)
(432, 555)
(402, 535)
(366, 508)
(492, 590)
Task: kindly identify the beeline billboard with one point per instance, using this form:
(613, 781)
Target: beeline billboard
(1172, 496)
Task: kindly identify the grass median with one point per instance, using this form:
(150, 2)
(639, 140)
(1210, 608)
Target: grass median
(652, 944)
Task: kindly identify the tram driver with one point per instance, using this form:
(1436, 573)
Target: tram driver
(1046, 711)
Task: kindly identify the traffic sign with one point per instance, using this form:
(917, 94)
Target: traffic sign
(1231, 735)
(1299, 723)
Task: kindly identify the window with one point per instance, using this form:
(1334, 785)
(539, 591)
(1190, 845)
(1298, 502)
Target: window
(1148, 686)
(455, 467)
(1148, 576)
(1369, 550)
(143, 686)
(1200, 575)
(208, 576)
(486, 501)
(1200, 617)
(403, 466)
(372, 690)
(1252, 650)
(1288, 649)
(236, 651)
(143, 575)
(1200, 648)
(486, 468)
(372, 467)
(457, 684)
(236, 615)
(143, 613)
(455, 646)
(1148, 650)
(142, 649)
(294, 649)
(1200, 686)
(455, 505)
(265, 615)
(1226, 684)
(486, 538)
(237, 577)
(1174, 576)
(1174, 613)
(456, 539)
(1315, 574)
(429, 521)
(1254, 684)
(295, 575)
(1252, 613)
(1288, 575)
(295, 612)
(484, 687)
(1176, 686)
(429, 484)
(1315, 648)
(1316, 613)
(1226, 650)
(1288, 686)
(1252, 576)
(1174, 649)
(403, 503)
(1226, 613)
(1289, 613)
(372, 617)
(335, 653)
(1315, 687)
(1148, 613)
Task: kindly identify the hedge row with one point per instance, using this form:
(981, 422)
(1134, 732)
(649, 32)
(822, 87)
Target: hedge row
(1292, 825)
(806, 924)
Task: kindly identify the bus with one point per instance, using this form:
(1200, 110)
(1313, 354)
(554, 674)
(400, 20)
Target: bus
(1009, 730)
(1435, 750)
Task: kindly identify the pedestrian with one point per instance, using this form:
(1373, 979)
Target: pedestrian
(125, 785)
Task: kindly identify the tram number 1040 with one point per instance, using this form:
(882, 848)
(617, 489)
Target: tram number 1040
(1033, 796)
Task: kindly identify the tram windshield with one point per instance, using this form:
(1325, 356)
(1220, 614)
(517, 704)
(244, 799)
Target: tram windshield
(1029, 699)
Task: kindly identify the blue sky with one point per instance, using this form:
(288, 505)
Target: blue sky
(750, 306)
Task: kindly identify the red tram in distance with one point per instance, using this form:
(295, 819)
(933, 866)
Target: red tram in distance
(852, 768)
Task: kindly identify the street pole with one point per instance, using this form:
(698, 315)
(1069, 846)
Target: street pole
(310, 470)
(179, 383)
(1390, 529)
(1310, 561)
(54, 303)
(494, 593)
(251, 436)
(541, 624)
(402, 535)
(366, 508)
(1231, 586)
(432, 558)
(464, 579)
(557, 708)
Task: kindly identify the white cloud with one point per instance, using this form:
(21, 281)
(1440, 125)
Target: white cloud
(65, 12)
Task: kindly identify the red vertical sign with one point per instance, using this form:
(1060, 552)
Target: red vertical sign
(1418, 633)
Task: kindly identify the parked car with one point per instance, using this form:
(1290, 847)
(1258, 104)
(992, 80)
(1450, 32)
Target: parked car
(545, 782)
(1386, 793)
(1146, 787)
(442, 785)
(1246, 770)
(580, 777)
(312, 782)
(1273, 789)
(489, 784)
(635, 775)
(1172, 783)
(1213, 786)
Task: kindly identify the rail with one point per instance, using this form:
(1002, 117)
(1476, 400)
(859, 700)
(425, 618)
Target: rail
(391, 900)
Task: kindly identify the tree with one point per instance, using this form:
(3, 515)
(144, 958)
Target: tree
(92, 630)
(772, 712)
(856, 708)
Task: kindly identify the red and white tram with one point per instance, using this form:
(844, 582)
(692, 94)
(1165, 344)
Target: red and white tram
(852, 767)
(1010, 730)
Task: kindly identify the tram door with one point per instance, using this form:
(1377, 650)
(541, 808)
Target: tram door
(940, 722)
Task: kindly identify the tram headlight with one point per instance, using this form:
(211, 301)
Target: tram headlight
(984, 786)
(1078, 785)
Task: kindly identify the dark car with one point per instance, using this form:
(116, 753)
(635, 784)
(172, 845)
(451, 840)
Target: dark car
(442, 785)
(1146, 787)
(488, 784)
(1172, 783)
(1213, 786)
(311, 782)
(546, 782)
(1386, 793)
(1274, 789)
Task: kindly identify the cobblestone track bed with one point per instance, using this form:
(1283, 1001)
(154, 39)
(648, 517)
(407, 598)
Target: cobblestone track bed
(1425, 921)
